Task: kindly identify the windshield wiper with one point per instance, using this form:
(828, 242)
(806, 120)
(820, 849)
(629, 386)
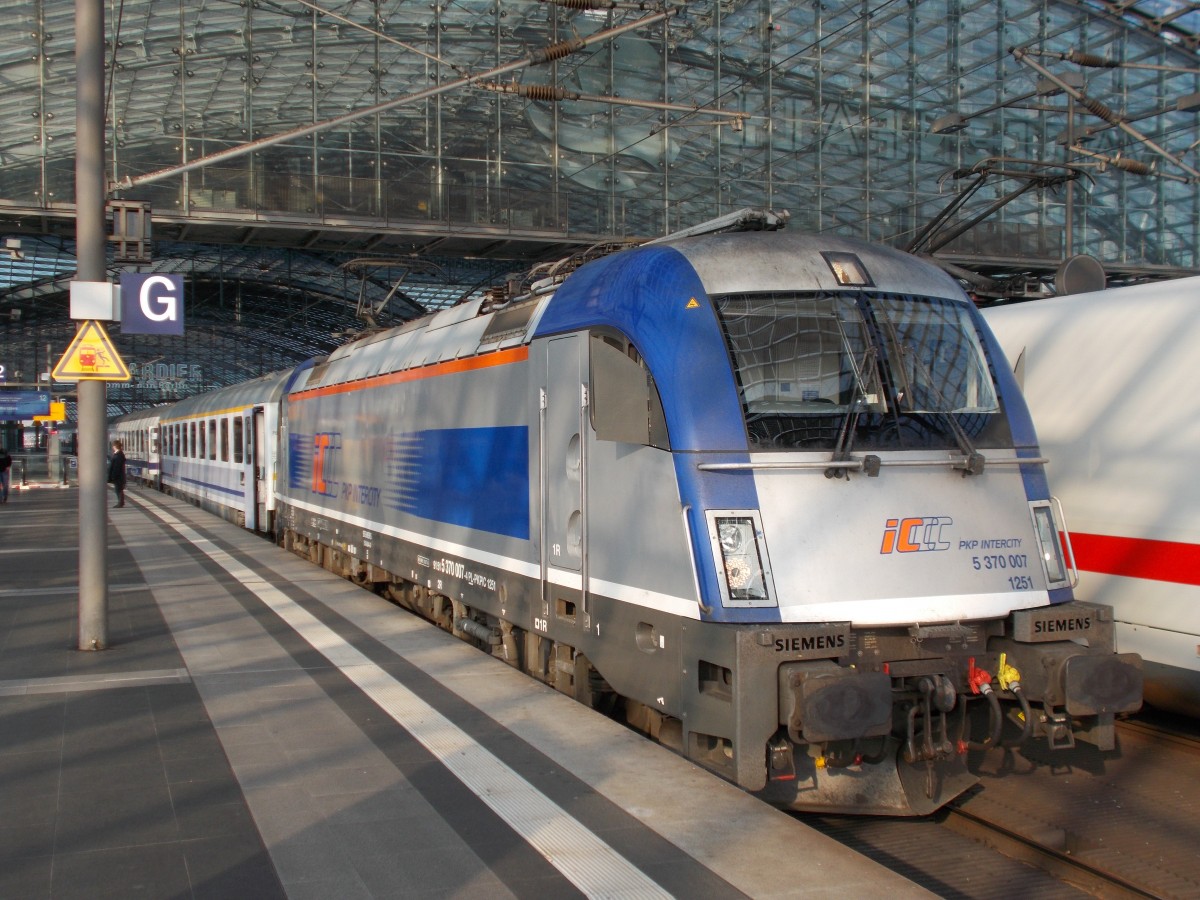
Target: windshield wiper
(973, 462)
(845, 439)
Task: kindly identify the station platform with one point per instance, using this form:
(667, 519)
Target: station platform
(261, 728)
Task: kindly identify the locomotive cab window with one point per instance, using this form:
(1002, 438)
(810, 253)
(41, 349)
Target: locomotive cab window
(624, 400)
(819, 371)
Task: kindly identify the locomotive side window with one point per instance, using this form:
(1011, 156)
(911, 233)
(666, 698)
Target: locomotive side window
(625, 402)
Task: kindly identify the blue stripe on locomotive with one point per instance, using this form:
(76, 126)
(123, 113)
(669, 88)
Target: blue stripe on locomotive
(474, 477)
(1020, 422)
(300, 451)
(647, 294)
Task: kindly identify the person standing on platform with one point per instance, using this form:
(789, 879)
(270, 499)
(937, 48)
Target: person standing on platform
(5, 470)
(116, 472)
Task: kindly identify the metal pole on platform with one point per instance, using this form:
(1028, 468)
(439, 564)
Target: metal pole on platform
(90, 239)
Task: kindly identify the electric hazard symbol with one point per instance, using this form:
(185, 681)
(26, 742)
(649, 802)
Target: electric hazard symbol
(91, 356)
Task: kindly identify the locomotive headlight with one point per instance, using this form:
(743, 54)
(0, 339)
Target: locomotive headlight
(740, 553)
(735, 534)
(1054, 563)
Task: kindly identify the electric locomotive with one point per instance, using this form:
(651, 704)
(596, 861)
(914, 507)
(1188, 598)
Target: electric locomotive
(774, 498)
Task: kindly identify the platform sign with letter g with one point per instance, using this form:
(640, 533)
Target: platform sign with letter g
(151, 304)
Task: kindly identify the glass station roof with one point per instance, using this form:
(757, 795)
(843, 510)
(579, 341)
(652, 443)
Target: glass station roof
(1000, 136)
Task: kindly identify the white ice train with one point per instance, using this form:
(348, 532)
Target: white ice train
(1111, 380)
(774, 498)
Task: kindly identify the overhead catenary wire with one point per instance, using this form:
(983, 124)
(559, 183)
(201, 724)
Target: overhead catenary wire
(544, 55)
(1101, 111)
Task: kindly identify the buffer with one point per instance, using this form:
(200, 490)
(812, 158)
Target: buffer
(91, 356)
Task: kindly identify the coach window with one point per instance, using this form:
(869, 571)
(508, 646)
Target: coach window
(224, 440)
(203, 446)
(212, 438)
(625, 402)
(237, 439)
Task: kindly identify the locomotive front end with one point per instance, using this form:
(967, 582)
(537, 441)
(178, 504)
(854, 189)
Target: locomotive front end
(891, 560)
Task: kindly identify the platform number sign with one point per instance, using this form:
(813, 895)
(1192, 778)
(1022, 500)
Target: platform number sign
(151, 304)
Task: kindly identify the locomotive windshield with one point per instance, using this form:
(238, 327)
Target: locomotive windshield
(881, 371)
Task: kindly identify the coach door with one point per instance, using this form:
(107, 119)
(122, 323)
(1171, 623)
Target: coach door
(564, 468)
(243, 442)
(259, 453)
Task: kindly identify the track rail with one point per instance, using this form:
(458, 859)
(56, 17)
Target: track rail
(1058, 863)
(1059, 826)
(1163, 734)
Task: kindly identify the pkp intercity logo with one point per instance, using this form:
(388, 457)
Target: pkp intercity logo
(325, 445)
(915, 534)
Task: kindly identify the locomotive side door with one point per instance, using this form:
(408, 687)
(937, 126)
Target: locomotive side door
(564, 466)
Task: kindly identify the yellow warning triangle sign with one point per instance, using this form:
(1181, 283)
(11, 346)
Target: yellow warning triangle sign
(91, 357)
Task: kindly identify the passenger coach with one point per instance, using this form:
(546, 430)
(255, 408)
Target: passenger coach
(220, 451)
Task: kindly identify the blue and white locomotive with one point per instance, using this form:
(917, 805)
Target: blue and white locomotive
(774, 498)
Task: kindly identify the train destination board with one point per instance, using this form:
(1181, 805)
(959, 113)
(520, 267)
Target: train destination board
(24, 404)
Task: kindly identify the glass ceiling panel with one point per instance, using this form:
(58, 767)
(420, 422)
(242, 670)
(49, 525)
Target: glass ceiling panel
(825, 109)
